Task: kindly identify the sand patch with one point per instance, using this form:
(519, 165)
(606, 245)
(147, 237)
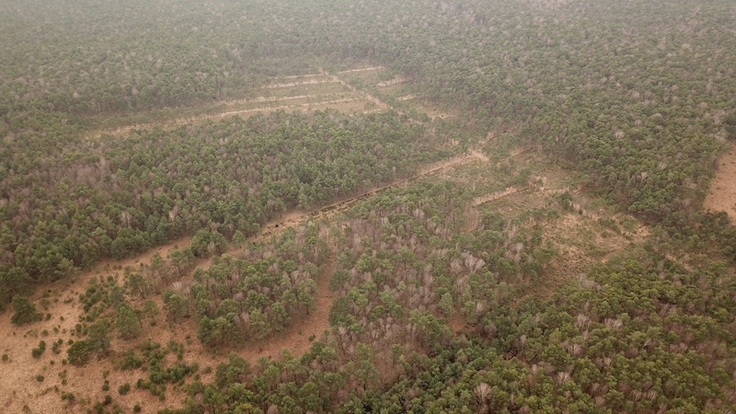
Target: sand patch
(722, 193)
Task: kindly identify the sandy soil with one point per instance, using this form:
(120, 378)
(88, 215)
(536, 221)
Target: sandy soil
(18, 384)
(722, 193)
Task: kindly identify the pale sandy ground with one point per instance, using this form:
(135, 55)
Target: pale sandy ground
(722, 193)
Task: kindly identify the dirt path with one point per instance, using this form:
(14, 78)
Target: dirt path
(298, 83)
(495, 195)
(202, 117)
(722, 193)
(363, 69)
(479, 155)
(355, 90)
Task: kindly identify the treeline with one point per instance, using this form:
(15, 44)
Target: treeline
(66, 207)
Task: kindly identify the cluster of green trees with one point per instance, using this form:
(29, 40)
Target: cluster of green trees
(237, 301)
(406, 254)
(115, 197)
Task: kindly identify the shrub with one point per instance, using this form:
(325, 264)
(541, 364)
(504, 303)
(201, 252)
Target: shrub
(37, 352)
(130, 361)
(79, 352)
(39, 378)
(123, 389)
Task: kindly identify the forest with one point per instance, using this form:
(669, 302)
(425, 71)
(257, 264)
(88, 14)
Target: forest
(367, 206)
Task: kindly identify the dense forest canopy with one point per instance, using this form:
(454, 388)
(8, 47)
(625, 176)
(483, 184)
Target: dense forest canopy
(636, 99)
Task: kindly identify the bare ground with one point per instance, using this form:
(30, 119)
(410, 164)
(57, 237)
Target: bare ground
(722, 193)
(18, 384)
(370, 68)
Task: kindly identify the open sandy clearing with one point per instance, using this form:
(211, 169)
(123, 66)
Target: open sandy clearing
(318, 91)
(19, 386)
(722, 193)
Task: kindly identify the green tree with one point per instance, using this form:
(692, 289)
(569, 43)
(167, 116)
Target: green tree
(128, 323)
(99, 337)
(239, 238)
(217, 332)
(176, 304)
(25, 311)
(137, 285)
(80, 352)
(446, 304)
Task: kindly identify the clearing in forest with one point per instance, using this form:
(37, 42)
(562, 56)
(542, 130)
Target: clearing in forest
(585, 232)
(318, 91)
(722, 193)
(361, 90)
